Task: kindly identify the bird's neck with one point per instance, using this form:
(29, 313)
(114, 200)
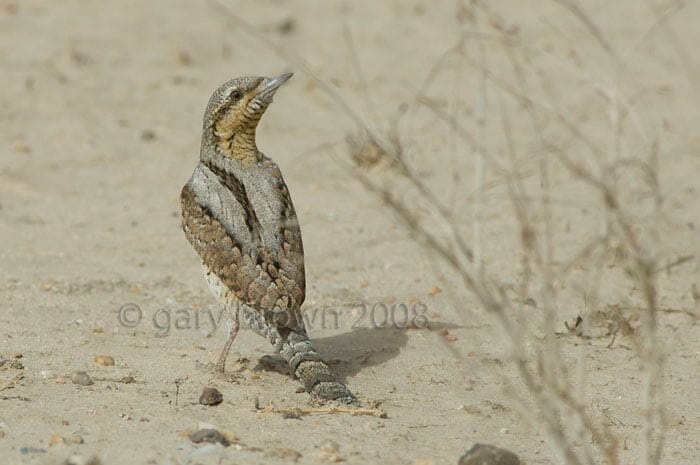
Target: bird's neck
(239, 145)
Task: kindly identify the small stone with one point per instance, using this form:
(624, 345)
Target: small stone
(80, 460)
(471, 409)
(57, 440)
(329, 446)
(448, 336)
(484, 454)
(80, 58)
(284, 453)
(16, 365)
(209, 435)
(211, 396)
(21, 147)
(81, 378)
(104, 360)
(77, 439)
(664, 87)
(31, 450)
(2, 434)
(330, 452)
(11, 8)
(286, 26)
(148, 135)
(184, 58)
(127, 379)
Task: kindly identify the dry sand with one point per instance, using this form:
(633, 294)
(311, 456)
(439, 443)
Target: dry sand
(101, 112)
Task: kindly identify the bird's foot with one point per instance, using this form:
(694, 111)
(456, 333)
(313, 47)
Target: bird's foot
(240, 364)
(229, 377)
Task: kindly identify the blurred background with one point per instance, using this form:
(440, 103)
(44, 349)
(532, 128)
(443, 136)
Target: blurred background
(523, 119)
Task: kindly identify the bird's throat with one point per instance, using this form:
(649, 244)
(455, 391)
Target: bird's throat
(239, 145)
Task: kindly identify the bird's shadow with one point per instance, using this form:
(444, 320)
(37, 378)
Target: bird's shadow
(349, 353)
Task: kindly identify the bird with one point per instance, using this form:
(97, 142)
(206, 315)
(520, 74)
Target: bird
(238, 216)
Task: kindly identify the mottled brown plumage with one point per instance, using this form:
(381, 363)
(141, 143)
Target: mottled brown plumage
(239, 217)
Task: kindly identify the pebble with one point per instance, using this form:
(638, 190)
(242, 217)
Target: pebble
(484, 454)
(184, 59)
(16, 364)
(57, 440)
(284, 453)
(209, 435)
(329, 446)
(148, 135)
(286, 26)
(329, 452)
(81, 378)
(211, 396)
(104, 360)
(31, 450)
(77, 459)
(21, 147)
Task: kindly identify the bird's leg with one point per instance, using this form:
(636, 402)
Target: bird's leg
(233, 327)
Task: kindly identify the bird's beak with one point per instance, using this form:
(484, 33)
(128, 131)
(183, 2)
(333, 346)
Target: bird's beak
(269, 86)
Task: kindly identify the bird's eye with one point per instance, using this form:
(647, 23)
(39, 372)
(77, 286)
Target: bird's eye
(236, 95)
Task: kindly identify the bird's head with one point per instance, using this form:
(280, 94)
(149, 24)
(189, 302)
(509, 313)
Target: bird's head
(234, 111)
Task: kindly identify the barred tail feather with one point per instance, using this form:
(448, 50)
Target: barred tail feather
(308, 366)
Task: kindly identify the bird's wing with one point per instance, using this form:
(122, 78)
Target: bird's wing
(289, 255)
(220, 221)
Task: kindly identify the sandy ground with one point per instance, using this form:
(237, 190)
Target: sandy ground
(101, 112)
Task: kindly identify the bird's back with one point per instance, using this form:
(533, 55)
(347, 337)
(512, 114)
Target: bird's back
(241, 221)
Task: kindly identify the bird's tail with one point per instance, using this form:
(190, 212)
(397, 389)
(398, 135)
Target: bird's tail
(308, 366)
